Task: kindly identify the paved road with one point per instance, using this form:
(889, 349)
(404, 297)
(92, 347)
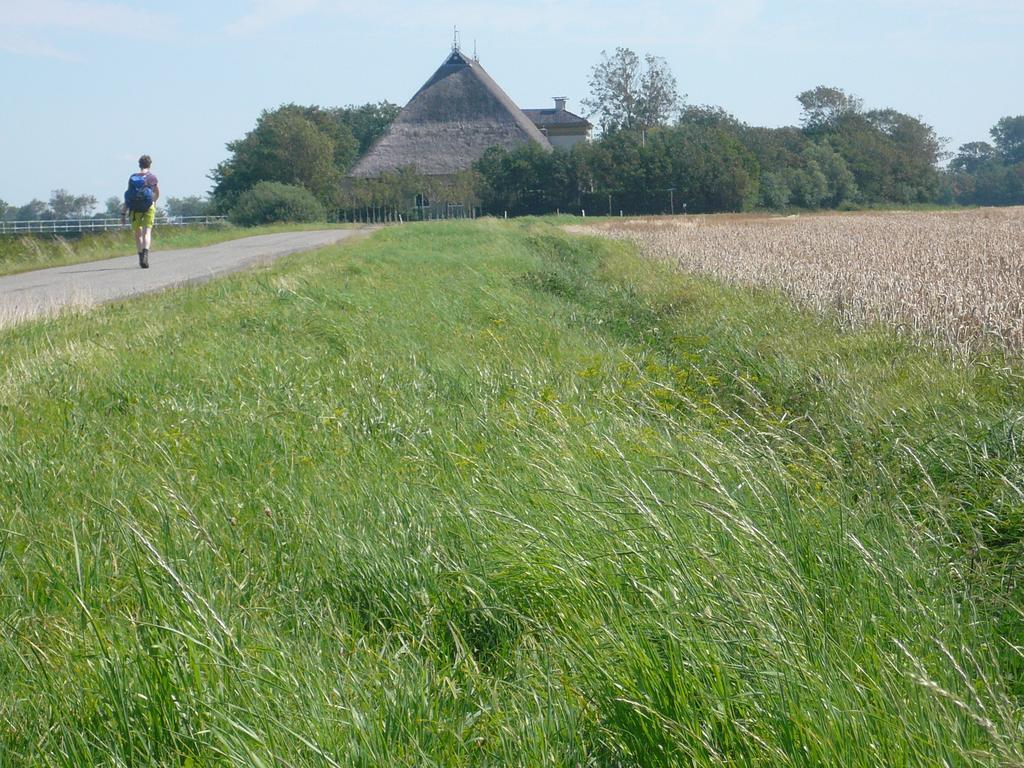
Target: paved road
(45, 291)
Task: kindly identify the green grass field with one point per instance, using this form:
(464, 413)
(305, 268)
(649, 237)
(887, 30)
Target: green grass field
(27, 252)
(483, 494)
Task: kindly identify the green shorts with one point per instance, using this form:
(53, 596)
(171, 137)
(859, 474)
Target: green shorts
(145, 219)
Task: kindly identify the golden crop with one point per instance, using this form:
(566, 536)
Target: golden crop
(957, 276)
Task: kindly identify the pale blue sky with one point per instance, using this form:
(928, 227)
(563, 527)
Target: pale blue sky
(88, 86)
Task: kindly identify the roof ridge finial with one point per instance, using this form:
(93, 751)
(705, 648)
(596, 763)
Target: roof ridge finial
(475, 57)
(455, 39)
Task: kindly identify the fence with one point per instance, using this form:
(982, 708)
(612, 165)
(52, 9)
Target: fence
(372, 214)
(68, 226)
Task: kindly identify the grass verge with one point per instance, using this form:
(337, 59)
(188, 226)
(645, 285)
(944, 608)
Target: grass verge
(486, 494)
(22, 253)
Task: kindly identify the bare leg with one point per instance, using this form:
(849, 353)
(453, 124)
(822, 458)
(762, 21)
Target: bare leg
(143, 237)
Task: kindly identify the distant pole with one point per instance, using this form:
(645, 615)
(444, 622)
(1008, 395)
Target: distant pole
(672, 200)
(609, 203)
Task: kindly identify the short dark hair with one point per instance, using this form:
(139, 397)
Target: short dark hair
(145, 161)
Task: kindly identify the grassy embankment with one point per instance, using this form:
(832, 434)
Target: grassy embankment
(485, 494)
(20, 253)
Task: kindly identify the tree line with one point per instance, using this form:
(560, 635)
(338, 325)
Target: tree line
(654, 154)
(658, 155)
(65, 205)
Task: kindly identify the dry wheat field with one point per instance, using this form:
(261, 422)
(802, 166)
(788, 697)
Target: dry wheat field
(955, 276)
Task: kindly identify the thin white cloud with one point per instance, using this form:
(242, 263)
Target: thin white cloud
(25, 46)
(29, 26)
(989, 11)
(266, 14)
(578, 17)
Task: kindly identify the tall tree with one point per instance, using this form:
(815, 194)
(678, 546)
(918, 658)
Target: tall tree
(526, 180)
(982, 174)
(1008, 135)
(68, 206)
(825, 105)
(840, 185)
(917, 151)
(627, 93)
(710, 117)
(193, 205)
(367, 122)
(972, 156)
(291, 145)
(308, 146)
(32, 211)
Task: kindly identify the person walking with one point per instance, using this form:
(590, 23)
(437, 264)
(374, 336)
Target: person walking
(140, 200)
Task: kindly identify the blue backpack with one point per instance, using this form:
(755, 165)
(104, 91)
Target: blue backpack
(138, 197)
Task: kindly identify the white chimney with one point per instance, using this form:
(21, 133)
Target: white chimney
(560, 103)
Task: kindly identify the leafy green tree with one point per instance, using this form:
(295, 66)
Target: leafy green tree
(706, 168)
(4, 208)
(840, 185)
(1008, 135)
(868, 153)
(983, 174)
(774, 190)
(709, 116)
(808, 185)
(193, 205)
(629, 94)
(712, 170)
(268, 202)
(917, 151)
(287, 146)
(112, 206)
(68, 206)
(990, 184)
(367, 122)
(308, 146)
(798, 169)
(972, 156)
(32, 211)
(775, 148)
(825, 105)
(526, 180)
(331, 124)
(892, 156)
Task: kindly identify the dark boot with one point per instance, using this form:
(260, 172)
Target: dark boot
(144, 258)
(140, 258)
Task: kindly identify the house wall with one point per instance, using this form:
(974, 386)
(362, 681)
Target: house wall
(567, 141)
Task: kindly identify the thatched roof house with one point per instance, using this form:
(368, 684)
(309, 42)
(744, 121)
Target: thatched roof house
(458, 114)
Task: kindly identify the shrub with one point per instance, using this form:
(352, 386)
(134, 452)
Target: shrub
(270, 201)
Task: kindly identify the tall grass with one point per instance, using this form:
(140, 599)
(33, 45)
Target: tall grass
(485, 494)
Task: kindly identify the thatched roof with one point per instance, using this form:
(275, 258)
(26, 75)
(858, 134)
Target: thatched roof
(458, 114)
